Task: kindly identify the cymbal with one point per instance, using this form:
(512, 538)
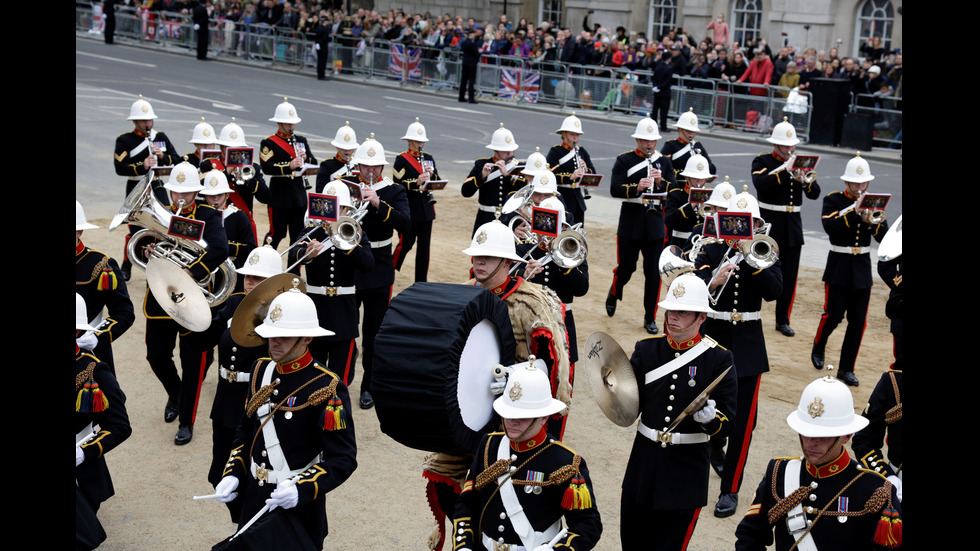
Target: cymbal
(253, 308)
(699, 402)
(611, 377)
(178, 294)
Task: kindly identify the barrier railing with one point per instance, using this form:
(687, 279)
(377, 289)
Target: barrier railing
(886, 118)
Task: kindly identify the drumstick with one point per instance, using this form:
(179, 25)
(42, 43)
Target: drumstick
(557, 537)
(251, 521)
(209, 496)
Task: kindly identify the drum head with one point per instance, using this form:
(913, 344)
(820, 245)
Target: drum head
(433, 363)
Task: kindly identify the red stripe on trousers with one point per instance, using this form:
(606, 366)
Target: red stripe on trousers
(747, 437)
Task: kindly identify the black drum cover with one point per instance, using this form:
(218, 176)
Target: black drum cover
(276, 529)
(424, 399)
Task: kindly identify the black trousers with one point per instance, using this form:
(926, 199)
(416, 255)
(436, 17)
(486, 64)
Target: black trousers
(746, 418)
(185, 386)
(375, 303)
(789, 261)
(467, 83)
(843, 301)
(643, 528)
(420, 231)
(627, 253)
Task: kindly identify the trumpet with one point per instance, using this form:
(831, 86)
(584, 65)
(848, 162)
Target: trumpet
(344, 233)
(805, 176)
(568, 250)
(243, 173)
(873, 217)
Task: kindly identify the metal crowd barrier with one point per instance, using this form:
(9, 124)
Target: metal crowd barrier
(886, 118)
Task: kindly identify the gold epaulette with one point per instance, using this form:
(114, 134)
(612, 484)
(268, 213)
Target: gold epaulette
(86, 375)
(321, 395)
(563, 474)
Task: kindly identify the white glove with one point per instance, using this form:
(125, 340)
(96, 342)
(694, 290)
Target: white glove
(656, 89)
(543, 547)
(227, 487)
(897, 483)
(88, 341)
(285, 495)
(197, 26)
(705, 414)
(80, 456)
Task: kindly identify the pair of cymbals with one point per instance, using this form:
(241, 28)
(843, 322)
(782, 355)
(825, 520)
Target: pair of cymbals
(253, 308)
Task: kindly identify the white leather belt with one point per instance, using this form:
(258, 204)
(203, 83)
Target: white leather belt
(796, 523)
(379, 244)
(272, 476)
(850, 250)
(573, 185)
(487, 208)
(735, 316)
(680, 234)
(671, 437)
(781, 208)
(655, 202)
(496, 544)
(233, 376)
(330, 291)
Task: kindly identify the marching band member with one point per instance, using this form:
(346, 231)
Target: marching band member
(666, 480)
(679, 214)
(238, 227)
(847, 276)
(523, 481)
(495, 178)
(340, 164)
(824, 499)
(680, 149)
(641, 226)
(244, 190)
(884, 414)
(780, 194)
(569, 162)
(203, 137)
(98, 280)
(413, 169)
(138, 151)
(295, 443)
(282, 156)
(387, 212)
(162, 331)
(738, 287)
(330, 276)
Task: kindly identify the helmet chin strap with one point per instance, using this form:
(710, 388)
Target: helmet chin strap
(831, 454)
(493, 273)
(530, 431)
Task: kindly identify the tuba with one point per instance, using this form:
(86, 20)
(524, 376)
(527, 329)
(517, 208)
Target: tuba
(520, 204)
(141, 208)
(673, 264)
(891, 245)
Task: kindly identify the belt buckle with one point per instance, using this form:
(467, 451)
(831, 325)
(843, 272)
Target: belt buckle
(502, 546)
(574, 185)
(231, 376)
(665, 437)
(261, 474)
(498, 210)
(736, 316)
(330, 291)
(789, 208)
(855, 250)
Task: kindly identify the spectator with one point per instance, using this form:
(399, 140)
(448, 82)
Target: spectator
(779, 64)
(872, 49)
(719, 30)
(678, 63)
(790, 79)
(736, 67)
(662, 74)
(759, 72)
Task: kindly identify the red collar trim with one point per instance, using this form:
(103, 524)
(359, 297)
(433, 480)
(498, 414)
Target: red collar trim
(778, 157)
(186, 212)
(295, 365)
(341, 159)
(829, 469)
(79, 247)
(283, 136)
(77, 349)
(140, 133)
(682, 140)
(683, 345)
(640, 153)
(566, 146)
(507, 287)
(540, 438)
(847, 193)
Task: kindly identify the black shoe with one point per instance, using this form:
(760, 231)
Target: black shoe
(610, 304)
(184, 434)
(462, 100)
(785, 329)
(651, 327)
(817, 354)
(127, 271)
(717, 455)
(848, 377)
(170, 410)
(367, 402)
(726, 506)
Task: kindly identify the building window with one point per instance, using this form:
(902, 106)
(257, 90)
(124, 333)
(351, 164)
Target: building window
(550, 11)
(746, 20)
(875, 19)
(663, 18)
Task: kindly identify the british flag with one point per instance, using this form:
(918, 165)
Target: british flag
(516, 84)
(405, 65)
(171, 28)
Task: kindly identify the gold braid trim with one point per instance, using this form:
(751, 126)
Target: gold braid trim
(491, 473)
(783, 506)
(85, 376)
(894, 414)
(96, 271)
(319, 396)
(260, 397)
(564, 474)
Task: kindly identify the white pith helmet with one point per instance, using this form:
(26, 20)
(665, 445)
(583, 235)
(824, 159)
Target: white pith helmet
(215, 183)
(722, 194)
(338, 189)
(493, 239)
(262, 262)
(502, 140)
(555, 203)
(783, 133)
(687, 293)
(81, 223)
(697, 167)
(345, 138)
(857, 170)
(184, 178)
(647, 129)
(571, 124)
(291, 314)
(203, 134)
(536, 163)
(141, 110)
(826, 409)
(232, 135)
(415, 132)
(544, 182)
(745, 202)
(528, 393)
(81, 315)
(688, 121)
(286, 113)
(369, 153)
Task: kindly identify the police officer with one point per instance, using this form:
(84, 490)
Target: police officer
(295, 443)
(331, 268)
(412, 169)
(203, 137)
(283, 156)
(523, 481)
(340, 164)
(738, 286)
(847, 276)
(780, 192)
(136, 152)
(387, 212)
(247, 184)
(825, 499)
(641, 226)
(569, 162)
(680, 149)
(680, 215)
(98, 280)
(162, 331)
(494, 178)
(666, 480)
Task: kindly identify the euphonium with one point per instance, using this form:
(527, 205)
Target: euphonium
(761, 252)
(569, 249)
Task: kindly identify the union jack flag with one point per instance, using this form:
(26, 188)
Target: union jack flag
(171, 28)
(402, 64)
(516, 84)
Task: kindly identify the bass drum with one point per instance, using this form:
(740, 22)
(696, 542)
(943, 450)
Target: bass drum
(433, 362)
